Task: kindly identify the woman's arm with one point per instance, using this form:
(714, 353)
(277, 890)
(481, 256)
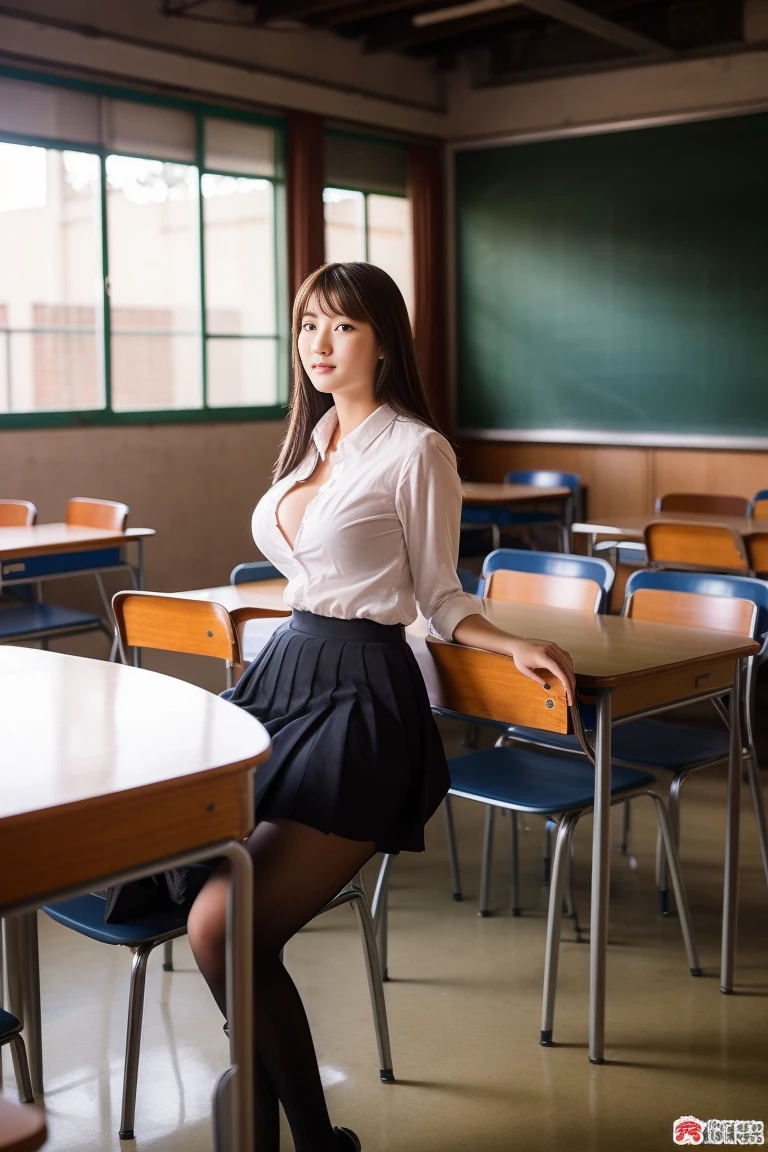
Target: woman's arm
(539, 659)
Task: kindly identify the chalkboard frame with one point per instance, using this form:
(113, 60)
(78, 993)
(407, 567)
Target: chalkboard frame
(586, 436)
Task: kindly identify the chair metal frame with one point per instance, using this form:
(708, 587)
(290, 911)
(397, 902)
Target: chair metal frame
(10, 1034)
(149, 620)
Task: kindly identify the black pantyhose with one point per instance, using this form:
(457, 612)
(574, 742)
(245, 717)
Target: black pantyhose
(297, 870)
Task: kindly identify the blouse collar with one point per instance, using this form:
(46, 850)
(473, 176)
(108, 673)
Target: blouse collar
(357, 441)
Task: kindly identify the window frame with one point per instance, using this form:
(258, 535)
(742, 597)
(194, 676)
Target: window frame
(107, 416)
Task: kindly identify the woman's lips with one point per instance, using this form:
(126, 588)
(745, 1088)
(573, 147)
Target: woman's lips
(323, 367)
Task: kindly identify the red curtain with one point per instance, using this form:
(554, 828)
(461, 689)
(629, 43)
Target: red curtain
(429, 272)
(304, 180)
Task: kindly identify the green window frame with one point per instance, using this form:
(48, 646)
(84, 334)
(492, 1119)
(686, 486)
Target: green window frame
(201, 112)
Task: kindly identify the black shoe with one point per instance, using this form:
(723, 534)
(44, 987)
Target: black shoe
(347, 1140)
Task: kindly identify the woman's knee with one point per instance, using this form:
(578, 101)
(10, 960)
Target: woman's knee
(207, 923)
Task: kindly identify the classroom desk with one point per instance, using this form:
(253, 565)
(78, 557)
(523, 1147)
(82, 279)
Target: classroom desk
(633, 527)
(52, 551)
(111, 772)
(511, 495)
(625, 669)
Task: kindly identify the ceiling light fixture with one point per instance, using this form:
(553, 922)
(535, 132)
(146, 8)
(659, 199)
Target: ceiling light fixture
(458, 11)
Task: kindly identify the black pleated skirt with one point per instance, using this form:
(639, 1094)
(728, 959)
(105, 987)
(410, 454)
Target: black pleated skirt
(355, 748)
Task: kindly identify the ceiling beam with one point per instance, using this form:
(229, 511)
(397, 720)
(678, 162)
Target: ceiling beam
(295, 9)
(353, 12)
(569, 13)
(402, 33)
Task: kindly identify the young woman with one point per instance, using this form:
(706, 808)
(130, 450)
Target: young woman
(363, 519)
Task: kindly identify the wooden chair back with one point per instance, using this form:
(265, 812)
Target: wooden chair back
(760, 509)
(85, 512)
(488, 686)
(692, 610)
(703, 503)
(543, 589)
(17, 514)
(173, 624)
(712, 547)
(757, 551)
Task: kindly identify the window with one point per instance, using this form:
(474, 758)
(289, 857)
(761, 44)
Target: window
(141, 263)
(367, 212)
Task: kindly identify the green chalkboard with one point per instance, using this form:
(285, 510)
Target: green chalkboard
(616, 283)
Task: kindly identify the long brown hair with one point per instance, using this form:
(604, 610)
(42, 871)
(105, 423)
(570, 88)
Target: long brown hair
(361, 292)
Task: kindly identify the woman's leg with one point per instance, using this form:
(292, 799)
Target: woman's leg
(297, 870)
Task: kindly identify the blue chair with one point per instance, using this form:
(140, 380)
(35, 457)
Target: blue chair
(10, 1033)
(498, 519)
(254, 570)
(544, 478)
(204, 628)
(551, 564)
(675, 746)
(534, 781)
(759, 505)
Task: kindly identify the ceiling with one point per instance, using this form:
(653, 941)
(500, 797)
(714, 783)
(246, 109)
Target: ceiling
(507, 41)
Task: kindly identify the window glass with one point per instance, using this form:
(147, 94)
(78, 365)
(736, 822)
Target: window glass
(344, 225)
(154, 275)
(389, 240)
(51, 287)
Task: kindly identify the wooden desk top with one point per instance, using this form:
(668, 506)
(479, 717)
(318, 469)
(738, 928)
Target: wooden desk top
(633, 527)
(609, 649)
(104, 767)
(45, 538)
(605, 649)
(240, 599)
(22, 1127)
(507, 494)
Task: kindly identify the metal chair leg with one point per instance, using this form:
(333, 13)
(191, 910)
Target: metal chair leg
(133, 1039)
(168, 956)
(546, 854)
(375, 983)
(554, 921)
(453, 852)
(625, 820)
(485, 875)
(678, 886)
(673, 817)
(380, 913)
(21, 1070)
(758, 805)
(571, 908)
(514, 862)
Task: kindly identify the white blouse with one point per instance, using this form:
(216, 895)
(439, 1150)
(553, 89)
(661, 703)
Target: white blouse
(382, 534)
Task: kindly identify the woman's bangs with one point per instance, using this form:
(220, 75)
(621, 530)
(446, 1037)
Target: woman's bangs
(335, 295)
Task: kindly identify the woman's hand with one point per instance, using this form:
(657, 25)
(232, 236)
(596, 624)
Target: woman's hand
(543, 661)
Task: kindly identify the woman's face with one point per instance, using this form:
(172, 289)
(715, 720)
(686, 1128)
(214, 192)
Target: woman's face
(338, 354)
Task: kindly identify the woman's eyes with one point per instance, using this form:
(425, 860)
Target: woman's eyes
(310, 327)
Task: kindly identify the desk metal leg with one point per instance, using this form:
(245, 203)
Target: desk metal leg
(731, 881)
(601, 874)
(233, 1100)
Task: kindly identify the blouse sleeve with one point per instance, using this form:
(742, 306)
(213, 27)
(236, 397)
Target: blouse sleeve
(428, 502)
